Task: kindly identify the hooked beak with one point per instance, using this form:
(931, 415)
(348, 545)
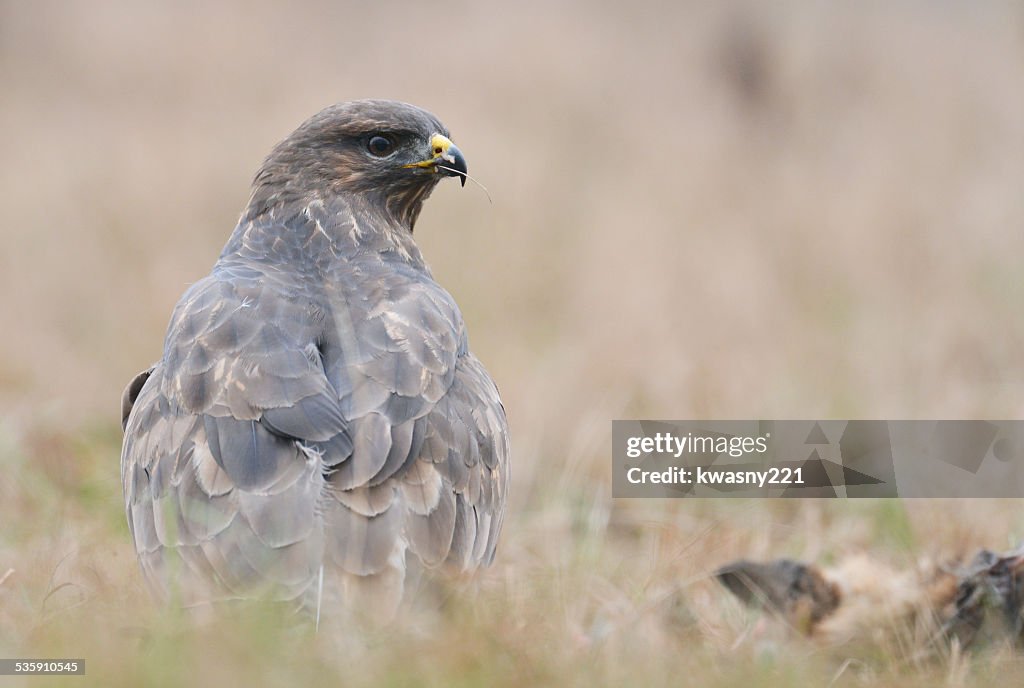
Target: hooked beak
(446, 158)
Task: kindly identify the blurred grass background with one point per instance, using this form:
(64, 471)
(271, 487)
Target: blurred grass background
(735, 210)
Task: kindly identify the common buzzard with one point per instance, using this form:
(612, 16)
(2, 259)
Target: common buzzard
(317, 415)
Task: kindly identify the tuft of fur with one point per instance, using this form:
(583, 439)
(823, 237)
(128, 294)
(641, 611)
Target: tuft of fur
(864, 599)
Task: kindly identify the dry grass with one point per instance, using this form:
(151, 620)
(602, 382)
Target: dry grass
(739, 211)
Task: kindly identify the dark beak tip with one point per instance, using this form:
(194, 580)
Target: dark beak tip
(454, 165)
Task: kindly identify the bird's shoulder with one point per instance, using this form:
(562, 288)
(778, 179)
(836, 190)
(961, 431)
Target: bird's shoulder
(237, 345)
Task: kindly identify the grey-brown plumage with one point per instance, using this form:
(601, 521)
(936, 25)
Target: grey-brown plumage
(317, 415)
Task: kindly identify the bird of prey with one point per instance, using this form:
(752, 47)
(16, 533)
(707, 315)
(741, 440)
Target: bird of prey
(317, 424)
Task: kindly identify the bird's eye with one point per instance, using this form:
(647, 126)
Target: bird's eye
(380, 145)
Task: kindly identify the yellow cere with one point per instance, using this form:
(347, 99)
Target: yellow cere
(439, 146)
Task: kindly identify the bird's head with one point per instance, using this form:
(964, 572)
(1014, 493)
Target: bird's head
(384, 155)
